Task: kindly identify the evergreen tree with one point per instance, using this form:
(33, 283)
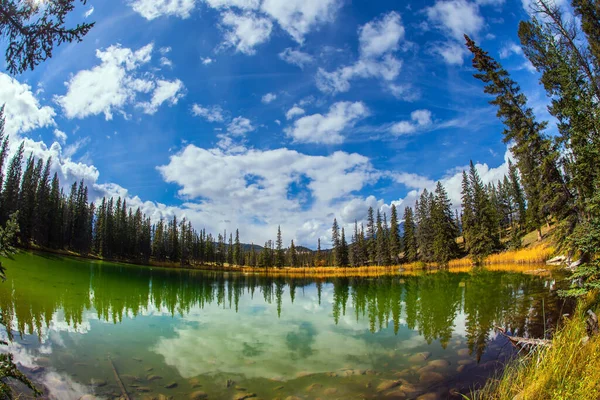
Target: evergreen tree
(335, 242)
(3, 146)
(293, 255)
(409, 238)
(535, 155)
(10, 194)
(342, 256)
(394, 236)
(483, 233)
(370, 239)
(444, 242)
(280, 254)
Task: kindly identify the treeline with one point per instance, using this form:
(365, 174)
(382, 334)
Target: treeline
(490, 213)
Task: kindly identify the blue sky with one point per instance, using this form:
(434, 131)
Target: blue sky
(258, 113)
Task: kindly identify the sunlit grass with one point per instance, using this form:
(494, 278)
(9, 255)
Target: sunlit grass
(570, 369)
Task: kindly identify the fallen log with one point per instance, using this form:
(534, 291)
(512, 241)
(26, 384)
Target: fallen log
(119, 381)
(524, 342)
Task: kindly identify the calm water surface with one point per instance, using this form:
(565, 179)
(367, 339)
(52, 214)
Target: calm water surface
(185, 334)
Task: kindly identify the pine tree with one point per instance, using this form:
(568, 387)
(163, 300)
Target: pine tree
(445, 231)
(293, 255)
(370, 239)
(238, 257)
(3, 146)
(483, 232)
(535, 155)
(342, 257)
(280, 254)
(10, 194)
(409, 238)
(425, 231)
(394, 236)
(335, 242)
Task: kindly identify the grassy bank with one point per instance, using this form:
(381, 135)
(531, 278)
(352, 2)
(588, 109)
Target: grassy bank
(569, 369)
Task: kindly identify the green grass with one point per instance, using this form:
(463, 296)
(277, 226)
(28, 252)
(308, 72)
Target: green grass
(570, 369)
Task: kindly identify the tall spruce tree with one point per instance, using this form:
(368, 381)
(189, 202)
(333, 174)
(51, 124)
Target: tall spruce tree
(409, 238)
(445, 231)
(280, 253)
(394, 236)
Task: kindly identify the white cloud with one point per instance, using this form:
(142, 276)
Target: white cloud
(239, 126)
(298, 17)
(419, 119)
(510, 48)
(165, 62)
(60, 136)
(165, 91)
(256, 184)
(245, 31)
(456, 17)
(269, 97)
(294, 112)
(151, 9)
(327, 129)
(207, 60)
(453, 53)
(22, 110)
(211, 114)
(243, 4)
(296, 57)
(381, 36)
(115, 83)
(404, 92)
(378, 40)
(89, 12)
(339, 80)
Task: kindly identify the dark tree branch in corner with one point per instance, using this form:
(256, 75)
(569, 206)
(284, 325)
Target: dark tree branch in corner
(33, 30)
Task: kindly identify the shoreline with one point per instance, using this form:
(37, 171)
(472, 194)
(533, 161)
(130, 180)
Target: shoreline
(523, 259)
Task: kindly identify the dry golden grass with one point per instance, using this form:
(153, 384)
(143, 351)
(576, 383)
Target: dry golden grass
(570, 369)
(532, 255)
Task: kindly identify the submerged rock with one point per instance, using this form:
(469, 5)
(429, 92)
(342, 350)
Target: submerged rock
(88, 397)
(465, 362)
(244, 396)
(330, 391)
(429, 396)
(463, 352)
(314, 386)
(439, 363)
(461, 368)
(419, 357)
(430, 377)
(151, 378)
(396, 394)
(198, 395)
(171, 385)
(143, 389)
(387, 385)
(98, 382)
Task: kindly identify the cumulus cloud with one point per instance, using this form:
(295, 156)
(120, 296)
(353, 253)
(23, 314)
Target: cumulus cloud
(115, 83)
(378, 39)
(151, 9)
(245, 31)
(298, 17)
(240, 126)
(60, 136)
(207, 61)
(22, 109)
(419, 119)
(211, 113)
(294, 112)
(381, 36)
(328, 128)
(455, 18)
(296, 57)
(165, 92)
(269, 97)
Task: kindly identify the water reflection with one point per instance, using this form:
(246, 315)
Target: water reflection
(188, 324)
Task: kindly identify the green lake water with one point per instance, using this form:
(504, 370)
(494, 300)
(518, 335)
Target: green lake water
(186, 334)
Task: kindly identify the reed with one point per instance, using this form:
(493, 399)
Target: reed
(569, 369)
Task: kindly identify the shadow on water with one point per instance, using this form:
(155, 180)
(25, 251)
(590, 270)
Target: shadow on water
(182, 332)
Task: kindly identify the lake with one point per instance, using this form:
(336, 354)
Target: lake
(191, 334)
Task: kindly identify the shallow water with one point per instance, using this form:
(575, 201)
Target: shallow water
(186, 333)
